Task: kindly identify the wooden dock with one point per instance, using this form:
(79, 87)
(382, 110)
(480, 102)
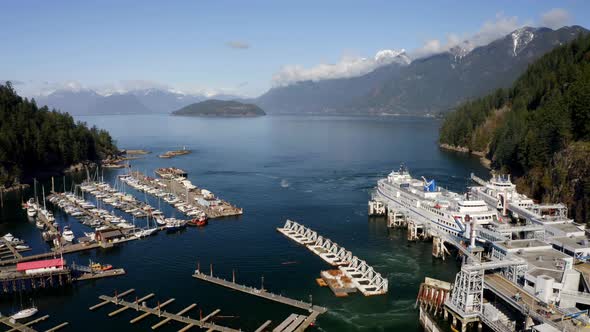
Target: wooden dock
(9, 251)
(14, 325)
(51, 254)
(140, 305)
(260, 293)
(222, 209)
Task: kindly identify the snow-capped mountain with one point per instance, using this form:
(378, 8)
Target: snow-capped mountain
(433, 84)
(521, 38)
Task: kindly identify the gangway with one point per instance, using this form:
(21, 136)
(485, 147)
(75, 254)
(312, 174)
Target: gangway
(577, 297)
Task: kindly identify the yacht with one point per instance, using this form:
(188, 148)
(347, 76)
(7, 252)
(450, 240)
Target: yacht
(67, 234)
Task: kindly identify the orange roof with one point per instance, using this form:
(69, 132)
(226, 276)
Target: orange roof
(57, 262)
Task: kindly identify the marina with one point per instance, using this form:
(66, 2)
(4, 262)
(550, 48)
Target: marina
(183, 195)
(292, 323)
(268, 200)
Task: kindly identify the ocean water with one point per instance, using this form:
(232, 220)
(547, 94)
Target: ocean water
(316, 170)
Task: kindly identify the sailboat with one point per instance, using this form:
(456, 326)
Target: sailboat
(24, 312)
(48, 215)
(147, 231)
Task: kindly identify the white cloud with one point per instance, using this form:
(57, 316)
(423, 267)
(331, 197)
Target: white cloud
(238, 45)
(556, 18)
(488, 32)
(348, 66)
(129, 85)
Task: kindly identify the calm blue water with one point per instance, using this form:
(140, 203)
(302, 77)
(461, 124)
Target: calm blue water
(315, 170)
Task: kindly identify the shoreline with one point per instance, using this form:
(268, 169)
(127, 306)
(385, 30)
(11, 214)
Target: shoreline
(461, 149)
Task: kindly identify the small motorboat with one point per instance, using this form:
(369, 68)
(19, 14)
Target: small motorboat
(199, 222)
(25, 313)
(67, 234)
(175, 224)
(40, 224)
(31, 211)
(100, 267)
(22, 247)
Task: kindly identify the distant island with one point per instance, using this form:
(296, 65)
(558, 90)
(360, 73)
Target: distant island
(220, 108)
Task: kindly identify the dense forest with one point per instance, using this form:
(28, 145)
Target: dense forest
(34, 140)
(221, 108)
(539, 129)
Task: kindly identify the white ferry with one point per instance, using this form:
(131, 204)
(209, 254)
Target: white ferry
(423, 201)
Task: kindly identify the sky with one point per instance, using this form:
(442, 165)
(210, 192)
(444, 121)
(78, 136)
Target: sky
(241, 47)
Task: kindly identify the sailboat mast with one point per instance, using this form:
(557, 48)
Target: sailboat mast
(35, 190)
(43, 189)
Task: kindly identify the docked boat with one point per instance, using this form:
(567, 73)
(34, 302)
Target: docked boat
(160, 221)
(199, 222)
(40, 224)
(145, 232)
(173, 224)
(67, 234)
(25, 313)
(420, 199)
(8, 237)
(100, 267)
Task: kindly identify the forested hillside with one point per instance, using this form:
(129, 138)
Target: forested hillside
(34, 139)
(539, 129)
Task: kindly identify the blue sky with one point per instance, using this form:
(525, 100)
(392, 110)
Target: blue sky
(236, 46)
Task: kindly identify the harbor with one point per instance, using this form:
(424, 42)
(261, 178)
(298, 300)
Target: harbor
(163, 264)
(183, 195)
(515, 255)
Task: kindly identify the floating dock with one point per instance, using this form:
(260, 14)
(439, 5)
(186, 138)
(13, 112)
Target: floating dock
(293, 323)
(259, 292)
(187, 196)
(363, 277)
(140, 305)
(124, 202)
(14, 325)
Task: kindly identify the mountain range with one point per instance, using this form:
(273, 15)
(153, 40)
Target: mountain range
(429, 85)
(432, 84)
(147, 101)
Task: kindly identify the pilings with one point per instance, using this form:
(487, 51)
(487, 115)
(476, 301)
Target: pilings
(438, 247)
(13, 282)
(376, 208)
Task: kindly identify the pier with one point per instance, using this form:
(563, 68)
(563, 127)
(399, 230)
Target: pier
(259, 292)
(14, 325)
(9, 250)
(119, 200)
(292, 323)
(363, 276)
(186, 197)
(140, 305)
